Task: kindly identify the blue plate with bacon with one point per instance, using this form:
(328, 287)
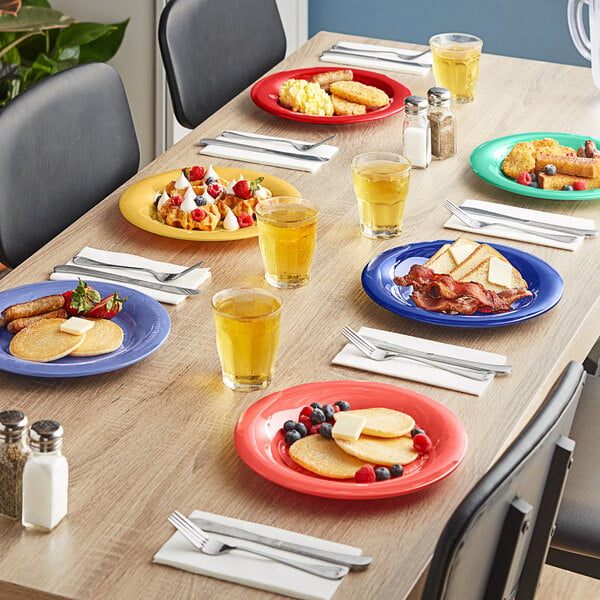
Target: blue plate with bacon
(543, 282)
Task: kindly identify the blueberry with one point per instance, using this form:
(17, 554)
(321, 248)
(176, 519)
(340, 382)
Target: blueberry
(317, 416)
(316, 405)
(291, 437)
(415, 431)
(534, 176)
(550, 170)
(396, 470)
(343, 404)
(328, 411)
(567, 188)
(325, 430)
(301, 429)
(382, 473)
(534, 184)
(289, 425)
(200, 201)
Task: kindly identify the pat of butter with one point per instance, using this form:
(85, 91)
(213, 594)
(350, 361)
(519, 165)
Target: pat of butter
(459, 253)
(499, 272)
(76, 326)
(348, 426)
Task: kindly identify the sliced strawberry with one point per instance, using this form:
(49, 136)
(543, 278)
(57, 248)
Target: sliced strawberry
(81, 299)
(107, 308)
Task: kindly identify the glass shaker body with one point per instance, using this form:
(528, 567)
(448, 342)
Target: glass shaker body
(442, 122)
(13, 455)
(416, 134)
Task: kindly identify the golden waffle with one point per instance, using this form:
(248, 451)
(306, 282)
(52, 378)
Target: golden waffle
(385, 422)
(380, 451)
(104, 337)
(174, 216)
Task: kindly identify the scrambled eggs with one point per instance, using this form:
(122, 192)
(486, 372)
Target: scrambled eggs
(305, 97)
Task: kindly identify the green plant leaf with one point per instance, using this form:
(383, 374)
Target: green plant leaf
(43, 3)
(70, 53)
(80, 34)
(104, 48)
(35, 18)
(10, 7)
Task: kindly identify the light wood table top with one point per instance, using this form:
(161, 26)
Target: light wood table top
(158, 435)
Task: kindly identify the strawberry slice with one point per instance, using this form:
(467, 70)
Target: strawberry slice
(107, 308)
(81, 299)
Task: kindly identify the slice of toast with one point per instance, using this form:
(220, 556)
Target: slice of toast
(569, 165)
(482, 273)
(443, 261)
(473, 260)
(556, 182)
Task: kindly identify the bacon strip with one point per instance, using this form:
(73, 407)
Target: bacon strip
(441, 293)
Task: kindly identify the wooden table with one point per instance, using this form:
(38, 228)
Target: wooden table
(158, 435)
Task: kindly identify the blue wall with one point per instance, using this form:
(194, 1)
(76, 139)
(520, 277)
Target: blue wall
(535, 29)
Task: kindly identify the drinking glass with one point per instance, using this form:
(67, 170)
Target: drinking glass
(381, 182)
(287, 232)
(456, 63)
(247, 324)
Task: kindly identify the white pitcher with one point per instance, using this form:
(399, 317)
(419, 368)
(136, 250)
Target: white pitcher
(588, 48)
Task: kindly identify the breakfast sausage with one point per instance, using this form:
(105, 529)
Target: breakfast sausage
(18, 324)
(32, 308)
(328, 77)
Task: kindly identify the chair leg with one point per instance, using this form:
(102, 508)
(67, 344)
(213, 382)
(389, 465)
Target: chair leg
(576, 563)
(592, 361)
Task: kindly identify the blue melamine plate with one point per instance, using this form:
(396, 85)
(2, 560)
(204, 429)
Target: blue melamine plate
(377, 280)
(486, 162)
(144, 321)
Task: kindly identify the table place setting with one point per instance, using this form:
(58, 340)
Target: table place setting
(521, 224)
(259, 572)
(166, 285)
(400, 60)
(452, 367)
(293, 154)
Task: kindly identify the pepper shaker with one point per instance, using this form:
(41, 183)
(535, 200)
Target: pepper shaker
(13, 454)
(442, 122)
(416, 134)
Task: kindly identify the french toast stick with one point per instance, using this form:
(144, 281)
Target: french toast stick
(556, 182)
(569, 165)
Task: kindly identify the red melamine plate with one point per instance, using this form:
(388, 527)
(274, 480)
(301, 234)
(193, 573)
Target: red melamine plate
(265, 94)
(260, 442)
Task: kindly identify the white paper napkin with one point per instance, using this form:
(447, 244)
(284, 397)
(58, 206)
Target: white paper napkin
(251, 570)
(273, 160)
(372, 62)
(404, 368)
(524, 213)
(192, 280)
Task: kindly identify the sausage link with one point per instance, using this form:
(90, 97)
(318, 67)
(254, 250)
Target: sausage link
(33, 307)
(22, 322)
(328, 77)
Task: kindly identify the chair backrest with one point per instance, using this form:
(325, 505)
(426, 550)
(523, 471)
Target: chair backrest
(494, 545)
(67, 142)
(213, 49)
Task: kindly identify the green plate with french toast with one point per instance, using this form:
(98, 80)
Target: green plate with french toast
(486, 161)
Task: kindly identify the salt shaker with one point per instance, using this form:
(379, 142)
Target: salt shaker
(416, 135)
(442, 122)
(13, 454)
(45, 477)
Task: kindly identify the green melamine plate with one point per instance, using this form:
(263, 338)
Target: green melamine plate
(487, 158)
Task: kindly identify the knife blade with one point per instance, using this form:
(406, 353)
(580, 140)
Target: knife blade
(562, 228)
(227, 143)
(163, 287)
(457, 362)
(357, 562)
(398, 61)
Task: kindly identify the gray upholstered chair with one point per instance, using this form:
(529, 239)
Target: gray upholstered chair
(67, 142)
(495, 544)
(213, 49)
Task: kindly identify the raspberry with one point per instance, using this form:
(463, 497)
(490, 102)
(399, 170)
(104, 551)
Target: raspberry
(570, 154)
(365, 474)
(314, 429)
(305, 420)
(214, 189)
(176, 201)
(245, 220)
(524, 178)
(242, 189)
(306, 411)
(336, 408)
(421, 443)
(196, 173)
(580, 185)
(198, 214)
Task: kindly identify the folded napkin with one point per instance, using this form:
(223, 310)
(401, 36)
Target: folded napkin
(373, 62)
(250, 569)
(404, 368)
(524, 213)
(191, 280)
(288, 162)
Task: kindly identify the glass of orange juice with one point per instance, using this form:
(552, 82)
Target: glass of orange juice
(287, 233)
(456, 63)
(381, 182)
(247, 324)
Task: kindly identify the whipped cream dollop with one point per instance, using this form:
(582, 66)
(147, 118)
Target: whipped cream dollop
(229, 188)
(162, 200)
(206, 196)
(210, 174)
(182, 182)
(261, 193)
(189, 200)
(230, 222)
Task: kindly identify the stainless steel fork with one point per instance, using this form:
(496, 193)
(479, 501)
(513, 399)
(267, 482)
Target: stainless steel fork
(477, 224)
(302, 146)
(375, 353)
(200, 540)
(399, 53)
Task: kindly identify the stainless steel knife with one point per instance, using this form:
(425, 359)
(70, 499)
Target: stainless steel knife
(358, 53)
(227, 143)
(358, 562)
(449, 360)
(530, 223)
(163, 287)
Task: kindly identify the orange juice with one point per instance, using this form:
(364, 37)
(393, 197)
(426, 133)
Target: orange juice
(247, 326)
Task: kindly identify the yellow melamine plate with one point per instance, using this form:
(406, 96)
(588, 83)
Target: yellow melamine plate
(137, 205)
